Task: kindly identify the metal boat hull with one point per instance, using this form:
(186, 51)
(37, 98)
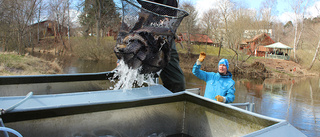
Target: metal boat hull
(148, 111)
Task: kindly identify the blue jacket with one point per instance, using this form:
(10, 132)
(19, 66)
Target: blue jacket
(216, 84)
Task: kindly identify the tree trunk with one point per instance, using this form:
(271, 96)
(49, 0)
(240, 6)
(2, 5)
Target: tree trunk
(19, 43)
(220, 45)
(68, 22)
(64, 45)
(315, 56)
(98, 33)
(98, 18)
(3, 44)
(38, 28)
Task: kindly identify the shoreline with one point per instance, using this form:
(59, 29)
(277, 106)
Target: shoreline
(259, 69)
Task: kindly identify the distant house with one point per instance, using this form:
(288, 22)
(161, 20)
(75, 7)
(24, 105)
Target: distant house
(113, 33)
(197, 38)
(49, 28)
(256, 45)
(251, 33)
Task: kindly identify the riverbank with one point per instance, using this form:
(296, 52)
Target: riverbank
(260, 68)
(253, 68)
(14, 64)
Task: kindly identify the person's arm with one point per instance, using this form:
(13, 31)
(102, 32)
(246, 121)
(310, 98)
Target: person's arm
(196, 67)
(230, 94)
(199, 73)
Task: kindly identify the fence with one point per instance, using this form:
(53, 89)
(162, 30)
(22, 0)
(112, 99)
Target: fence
(285, 57)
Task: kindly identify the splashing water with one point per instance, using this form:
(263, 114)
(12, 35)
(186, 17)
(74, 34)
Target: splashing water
(129, 78)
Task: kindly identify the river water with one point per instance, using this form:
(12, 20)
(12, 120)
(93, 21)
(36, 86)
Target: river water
(294, 99)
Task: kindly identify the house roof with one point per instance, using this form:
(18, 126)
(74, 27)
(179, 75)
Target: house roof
(41, 22)
(243, 42)
(278, 45)
(197, 38)
(260, 36)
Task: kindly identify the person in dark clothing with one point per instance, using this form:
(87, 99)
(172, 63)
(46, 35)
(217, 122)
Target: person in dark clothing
(172, 75)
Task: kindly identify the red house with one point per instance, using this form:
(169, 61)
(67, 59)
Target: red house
(197, 38)
(50, 28)
(255, 46)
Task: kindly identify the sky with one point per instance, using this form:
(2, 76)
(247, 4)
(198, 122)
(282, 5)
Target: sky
(284, 13)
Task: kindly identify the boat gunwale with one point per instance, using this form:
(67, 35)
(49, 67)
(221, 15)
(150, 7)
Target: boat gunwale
(70, 109)
(51, 78)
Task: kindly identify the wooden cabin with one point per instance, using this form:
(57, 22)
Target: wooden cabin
(49, 28)
(197, 39)
(256, 45)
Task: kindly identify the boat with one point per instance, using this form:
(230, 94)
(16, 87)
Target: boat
(151, 111)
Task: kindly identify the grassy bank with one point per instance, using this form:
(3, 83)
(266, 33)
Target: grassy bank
(87, 48)
(212, 53)
(14, 64)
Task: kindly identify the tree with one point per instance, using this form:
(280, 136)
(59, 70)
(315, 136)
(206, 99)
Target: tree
(40, 11)
(299, 9)
(241, 20)
(188, 24)
(58, 13)
(225, 11)
(267, 12)
(99, 13)
(87, 18)
(15, 18)
(210, 23)
(316, 54)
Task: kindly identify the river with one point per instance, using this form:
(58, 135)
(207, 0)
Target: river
(295, 100)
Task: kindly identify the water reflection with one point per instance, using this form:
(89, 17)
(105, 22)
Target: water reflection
(294, 99)
(84, 66)
(290, 99)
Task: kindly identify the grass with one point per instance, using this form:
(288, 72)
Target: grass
(305, 58)
(14, 64)
(6, 58)
(214, 51)
(87, 48)
(209, 50)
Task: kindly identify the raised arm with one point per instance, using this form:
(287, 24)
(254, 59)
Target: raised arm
(196, 67)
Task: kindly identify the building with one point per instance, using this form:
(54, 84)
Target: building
(251, 33)
(197, 39)
(279, 51)
(48, 28)
(256, 45)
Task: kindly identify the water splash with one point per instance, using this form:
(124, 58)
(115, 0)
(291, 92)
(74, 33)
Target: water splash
(128, 78)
